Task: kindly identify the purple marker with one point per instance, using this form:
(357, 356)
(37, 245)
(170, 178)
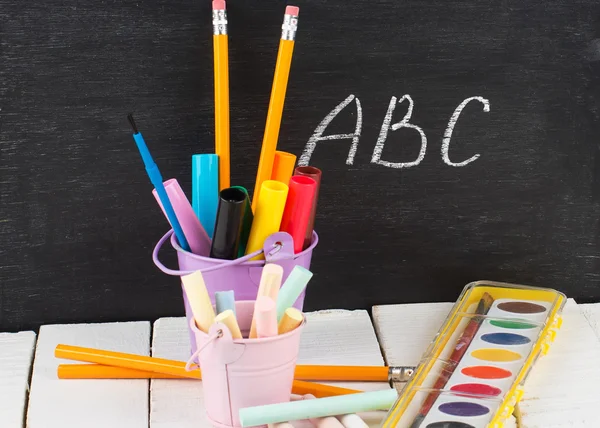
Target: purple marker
(192, 229)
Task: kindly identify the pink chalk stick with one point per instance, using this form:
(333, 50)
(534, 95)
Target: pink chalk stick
(266, 317)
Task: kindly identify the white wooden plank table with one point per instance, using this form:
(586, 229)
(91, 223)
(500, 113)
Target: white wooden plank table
(16, 355)
(405, 331)
(330, 337)
(66, 403)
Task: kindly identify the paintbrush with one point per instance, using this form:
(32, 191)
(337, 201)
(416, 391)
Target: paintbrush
(460, 348)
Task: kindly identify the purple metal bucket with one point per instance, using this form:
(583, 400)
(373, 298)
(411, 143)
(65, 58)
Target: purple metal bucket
(240, 275)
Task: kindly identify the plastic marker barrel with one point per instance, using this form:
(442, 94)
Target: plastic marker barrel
(268, 214)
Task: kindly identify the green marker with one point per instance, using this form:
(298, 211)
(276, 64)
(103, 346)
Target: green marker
(246, 223)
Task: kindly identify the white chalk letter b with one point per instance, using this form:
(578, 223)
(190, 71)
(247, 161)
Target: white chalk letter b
(404, 123)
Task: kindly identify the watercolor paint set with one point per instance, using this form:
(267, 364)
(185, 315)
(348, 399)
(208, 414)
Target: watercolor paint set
(475, 370)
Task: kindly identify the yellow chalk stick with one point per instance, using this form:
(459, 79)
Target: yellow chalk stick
(291, 319)
(197, 295)
(228, 318)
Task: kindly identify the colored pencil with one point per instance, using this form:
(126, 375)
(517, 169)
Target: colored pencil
(460, 348)
(278, 90)
(109, 364)
(221, 76)
(169, 367)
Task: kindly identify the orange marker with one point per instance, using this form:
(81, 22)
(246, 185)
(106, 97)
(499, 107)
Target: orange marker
(283, 166)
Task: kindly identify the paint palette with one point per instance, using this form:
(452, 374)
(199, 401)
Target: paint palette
(474, 371)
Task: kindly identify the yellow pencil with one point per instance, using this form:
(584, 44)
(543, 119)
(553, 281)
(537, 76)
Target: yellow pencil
(280, 80)
(221, 73)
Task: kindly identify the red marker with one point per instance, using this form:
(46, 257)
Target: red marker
(298, 207)
(315, 174)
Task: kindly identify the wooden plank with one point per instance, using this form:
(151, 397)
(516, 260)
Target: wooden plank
(562, 390)
(56, 403)
(16, 352)
(567, 367)
(330, 337)
(592, 312)
(175, 403)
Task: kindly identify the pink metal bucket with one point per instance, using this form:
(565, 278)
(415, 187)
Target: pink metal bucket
(240, 275)
(238, 373)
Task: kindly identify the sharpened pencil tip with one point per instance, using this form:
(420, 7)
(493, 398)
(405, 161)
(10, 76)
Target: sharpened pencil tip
(132, 123)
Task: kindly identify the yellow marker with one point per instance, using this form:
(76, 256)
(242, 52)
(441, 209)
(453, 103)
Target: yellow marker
(291, 319)
(280, 80)
(270, 282)
(283, 166)
(228, 318)
(267, 218)
(221, 75)
(197, 295)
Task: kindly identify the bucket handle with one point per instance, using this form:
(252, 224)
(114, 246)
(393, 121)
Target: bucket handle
(162, 267)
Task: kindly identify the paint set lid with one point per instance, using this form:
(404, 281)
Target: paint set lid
(475, 369)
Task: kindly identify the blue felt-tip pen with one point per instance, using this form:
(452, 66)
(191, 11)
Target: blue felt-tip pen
(157, 181)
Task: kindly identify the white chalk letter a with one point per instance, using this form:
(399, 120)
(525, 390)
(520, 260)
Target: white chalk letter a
(318, 134)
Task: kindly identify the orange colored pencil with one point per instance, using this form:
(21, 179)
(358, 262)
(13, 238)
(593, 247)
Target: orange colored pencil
(221, 76)
(99, 371)
(303, 372)
(278, 90)
(177, 368)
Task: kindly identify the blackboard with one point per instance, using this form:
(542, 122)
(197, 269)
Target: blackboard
(78, 221)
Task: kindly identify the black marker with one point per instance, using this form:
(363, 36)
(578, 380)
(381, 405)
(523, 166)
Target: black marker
(228, 226)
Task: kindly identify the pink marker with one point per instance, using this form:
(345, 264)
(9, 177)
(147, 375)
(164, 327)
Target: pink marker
(266, 317)
(190, 224)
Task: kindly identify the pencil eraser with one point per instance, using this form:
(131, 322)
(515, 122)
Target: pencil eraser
(218, 4)
(289, 10)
